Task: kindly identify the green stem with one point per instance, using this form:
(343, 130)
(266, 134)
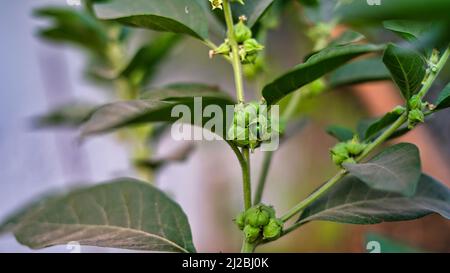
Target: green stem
(300, 206)
(236, 61)
(429, 81)
(244, 161)
(238, 80)
(247, 247)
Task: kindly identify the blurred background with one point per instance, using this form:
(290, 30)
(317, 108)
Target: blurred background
(37, 76)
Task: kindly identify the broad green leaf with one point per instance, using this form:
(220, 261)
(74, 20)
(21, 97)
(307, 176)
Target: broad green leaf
(142, 66)
(396, 169)
(407, 68)
(380, 124)
(443, 100)
(178, 16)
(156, 106)
(362, 12)
(72, 26)
(360, 71)
(253, 10)
(354, 202)
(315, 67)
(340, 133)
(124, 213)
(408, 29)
(69, 115)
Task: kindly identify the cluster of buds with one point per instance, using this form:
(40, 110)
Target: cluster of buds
(346, 152)
(247, 46)
(416, 107)
(251, 125)
(217, 4)
(259, 222)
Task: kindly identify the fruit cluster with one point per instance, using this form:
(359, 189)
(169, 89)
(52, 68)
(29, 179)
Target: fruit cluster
(247, 46)
(346, 152)
(259, 222)
(251, 125)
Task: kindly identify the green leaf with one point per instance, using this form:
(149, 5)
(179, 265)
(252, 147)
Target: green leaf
(155, 106)
(340, 133)
(407, 68)
(443, 100)
(253, 10)
(315, 67)
(66, 116)
(72, 26)
(124, 213)
(354, 202)
(396, 169)
(178, 16)
(408, 29)
(380, 124)
(143, 65)
(360, 71)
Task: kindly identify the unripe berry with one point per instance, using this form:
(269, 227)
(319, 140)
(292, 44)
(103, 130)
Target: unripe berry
(415, 102)
(242, 32)
(223, 49)
(354, 147)
(251, 233)
(240, 220)
(415, 116)
(257, 216)
(252, 46)
(273, 229)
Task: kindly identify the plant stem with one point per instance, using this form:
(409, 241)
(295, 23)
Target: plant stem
(247, 247)
(236, 61)
(429, 81)
(244, 162)
(238, 80)
(300, 206)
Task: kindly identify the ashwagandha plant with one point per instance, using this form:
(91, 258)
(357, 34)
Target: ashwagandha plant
(132, 214)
